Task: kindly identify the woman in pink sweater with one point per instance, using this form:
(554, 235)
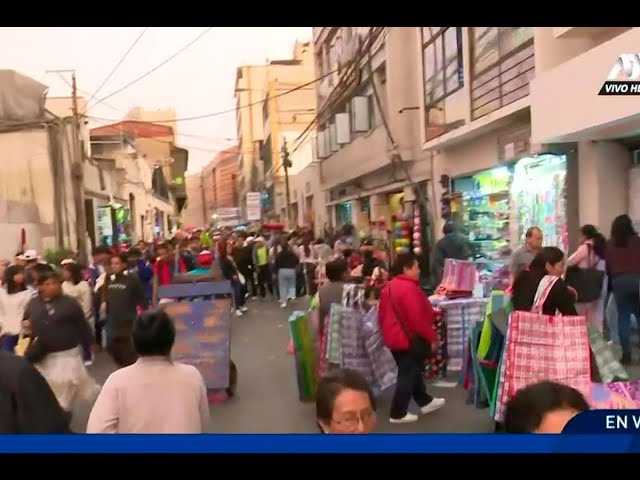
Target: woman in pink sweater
(590, 254)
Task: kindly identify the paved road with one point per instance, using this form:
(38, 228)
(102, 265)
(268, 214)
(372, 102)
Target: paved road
(267, 401)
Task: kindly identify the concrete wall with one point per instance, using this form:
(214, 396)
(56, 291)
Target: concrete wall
(565, 103)
(194, 213)
(27, 193)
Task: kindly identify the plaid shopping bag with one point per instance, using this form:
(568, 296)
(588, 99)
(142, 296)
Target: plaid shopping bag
(543, 347)
(458, 275)
(354, 352)
(383, 366)
(606, 364)
(334, 334)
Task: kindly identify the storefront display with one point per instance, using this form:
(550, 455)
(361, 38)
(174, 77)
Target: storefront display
(539, 199)
(104, 225)
(344, 213)
(480, 206)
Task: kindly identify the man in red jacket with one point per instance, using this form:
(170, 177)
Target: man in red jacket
(405, 312)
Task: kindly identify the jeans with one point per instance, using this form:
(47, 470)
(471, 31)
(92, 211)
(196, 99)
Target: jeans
(8, 343)
(626, 292)
(238, 293)
(287, 283)
(410, 384)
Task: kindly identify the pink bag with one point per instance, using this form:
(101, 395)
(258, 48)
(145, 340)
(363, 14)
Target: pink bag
(543, 347)
(458, 276)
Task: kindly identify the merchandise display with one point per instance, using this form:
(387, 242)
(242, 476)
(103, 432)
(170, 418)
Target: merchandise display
(481, 205)
(539, 199)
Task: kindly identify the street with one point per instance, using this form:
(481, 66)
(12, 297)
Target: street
(267, 401)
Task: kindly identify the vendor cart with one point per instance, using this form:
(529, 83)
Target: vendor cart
(201, 311)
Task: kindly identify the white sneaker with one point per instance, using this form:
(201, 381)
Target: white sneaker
(408, 418)
(238, 313)
(283, 305)
(88, 363)
(433, 405)
(243, 309)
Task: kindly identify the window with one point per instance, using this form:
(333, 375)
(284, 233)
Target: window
(442, 62)
(443, 76)
(491, 45)
(503, 64)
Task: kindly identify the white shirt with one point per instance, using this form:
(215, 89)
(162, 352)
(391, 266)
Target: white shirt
(154, 395)
(12, 309)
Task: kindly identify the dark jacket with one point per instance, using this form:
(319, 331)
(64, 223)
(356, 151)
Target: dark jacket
(452, 245)
(286, 259)
(559, 298)
(57, 325)
(227, 267)
(27, 404)
(124, 296)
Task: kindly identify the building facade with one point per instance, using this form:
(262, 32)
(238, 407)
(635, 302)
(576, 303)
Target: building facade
(194, 214)
(219, 181)
(272, 121)
(515, 141)
(127, 194)
(368, 134)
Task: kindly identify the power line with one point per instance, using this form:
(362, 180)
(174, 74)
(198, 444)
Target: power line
(233, 110)
(155, 68)
(124, 57)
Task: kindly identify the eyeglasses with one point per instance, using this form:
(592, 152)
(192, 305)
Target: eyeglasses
(352, 420)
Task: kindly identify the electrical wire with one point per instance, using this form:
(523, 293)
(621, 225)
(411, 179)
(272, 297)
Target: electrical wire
(133, 82)
(235, 109)
(120, 62)
(342, 87)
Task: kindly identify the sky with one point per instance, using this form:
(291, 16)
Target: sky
(197, 82)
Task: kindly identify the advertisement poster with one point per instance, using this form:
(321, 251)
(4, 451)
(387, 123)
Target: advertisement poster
(203, 331)
(254, 206)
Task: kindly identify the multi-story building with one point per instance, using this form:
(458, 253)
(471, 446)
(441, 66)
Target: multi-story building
(272, 120)
(175, 158)
(219, 184)
(572, 64)
(368, 136)
(126, 185)
(307, 207)
(515, 139)
(194, 213)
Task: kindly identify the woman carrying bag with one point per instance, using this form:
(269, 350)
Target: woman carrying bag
(407, 323)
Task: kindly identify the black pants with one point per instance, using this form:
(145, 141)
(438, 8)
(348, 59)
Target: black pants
(250, 284)
(410, 384)
(264, 280)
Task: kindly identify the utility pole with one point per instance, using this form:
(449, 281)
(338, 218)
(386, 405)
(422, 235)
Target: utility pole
(77, 174)
(286, 163)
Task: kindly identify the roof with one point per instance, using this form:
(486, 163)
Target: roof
(133, 128)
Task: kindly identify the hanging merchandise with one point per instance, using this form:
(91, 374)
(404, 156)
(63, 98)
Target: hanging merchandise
(538, 195)
(402, 234)
(480, 206)
(417, 232)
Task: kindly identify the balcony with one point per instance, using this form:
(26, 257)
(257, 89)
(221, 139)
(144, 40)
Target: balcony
(565, 105)
(580, 32)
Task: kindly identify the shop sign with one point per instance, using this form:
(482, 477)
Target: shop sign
(254, 206)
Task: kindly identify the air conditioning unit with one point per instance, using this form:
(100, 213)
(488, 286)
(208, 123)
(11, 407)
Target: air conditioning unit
(321, 147)
(343, 128)
(360, 112)
(333, 135)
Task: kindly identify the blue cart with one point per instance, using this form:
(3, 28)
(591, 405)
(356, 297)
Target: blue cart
(201, 312)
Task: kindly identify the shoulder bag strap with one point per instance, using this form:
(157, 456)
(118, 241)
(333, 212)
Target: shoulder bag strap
(545, 286)
(397, 315)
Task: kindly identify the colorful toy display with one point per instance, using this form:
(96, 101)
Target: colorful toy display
(402, 231)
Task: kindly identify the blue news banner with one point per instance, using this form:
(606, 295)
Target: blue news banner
(597, 431)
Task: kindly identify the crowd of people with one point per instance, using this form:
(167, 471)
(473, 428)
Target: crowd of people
(54, 318)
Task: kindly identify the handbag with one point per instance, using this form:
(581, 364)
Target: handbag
(419, 348)
(587, 282)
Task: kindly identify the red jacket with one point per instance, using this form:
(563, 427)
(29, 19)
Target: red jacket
(414, 308)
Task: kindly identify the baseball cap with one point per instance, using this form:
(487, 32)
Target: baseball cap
(29, 255)
(205, 259)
